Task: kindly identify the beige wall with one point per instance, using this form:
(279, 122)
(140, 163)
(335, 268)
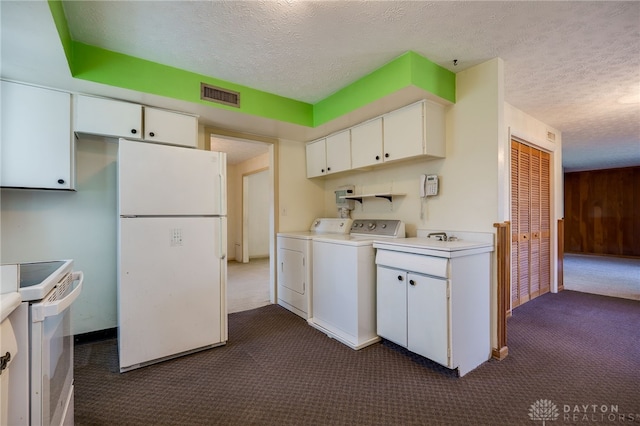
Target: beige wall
(300, 200)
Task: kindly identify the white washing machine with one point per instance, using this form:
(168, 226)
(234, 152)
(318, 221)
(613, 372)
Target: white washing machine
(344, 281)
(295, 263)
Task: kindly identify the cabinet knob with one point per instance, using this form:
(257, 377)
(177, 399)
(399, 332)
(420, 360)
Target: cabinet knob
(400, 278)
(152, 134)
(386, 155)
(134, 131)
(377, 157)
(412, 282)
(61, 181)
(322, 170)
(328, 168)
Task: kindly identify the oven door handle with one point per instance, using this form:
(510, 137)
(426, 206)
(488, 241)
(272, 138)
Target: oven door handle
(50, 309)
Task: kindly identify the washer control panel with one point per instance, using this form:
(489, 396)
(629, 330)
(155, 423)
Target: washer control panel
(378, 228)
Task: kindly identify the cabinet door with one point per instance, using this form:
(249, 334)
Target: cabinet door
(339, 152)
(292, 274)
(366, 144)
(404, 132)
(170, 127)
(37, 144)
(428, 316)
(108, 117)
(316, 158)
(391, 304)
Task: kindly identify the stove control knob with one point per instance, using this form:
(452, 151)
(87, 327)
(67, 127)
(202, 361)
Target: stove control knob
(384, 225)
(372, 226)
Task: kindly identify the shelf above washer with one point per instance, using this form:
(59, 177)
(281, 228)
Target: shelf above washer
(387, 196)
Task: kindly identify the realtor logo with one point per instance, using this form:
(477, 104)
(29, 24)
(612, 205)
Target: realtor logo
(543, 409)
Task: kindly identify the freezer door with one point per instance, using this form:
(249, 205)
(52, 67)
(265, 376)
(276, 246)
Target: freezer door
(160, 180)
(171, 287)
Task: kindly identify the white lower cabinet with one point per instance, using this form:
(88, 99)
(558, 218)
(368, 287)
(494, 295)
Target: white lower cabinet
(437, 306)
(413, 311)
(38, 149)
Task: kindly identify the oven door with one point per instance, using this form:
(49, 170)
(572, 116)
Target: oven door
(52, 355)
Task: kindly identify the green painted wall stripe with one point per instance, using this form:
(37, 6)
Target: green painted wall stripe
(432, 77)
(116, 69)
(382, 82)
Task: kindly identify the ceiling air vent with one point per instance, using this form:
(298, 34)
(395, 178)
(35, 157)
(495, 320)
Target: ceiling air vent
(219, 95)
(551, 136)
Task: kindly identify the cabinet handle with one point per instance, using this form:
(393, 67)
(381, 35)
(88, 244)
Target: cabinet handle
(322, 170)
(412, 282)
(61, 181)
(328, 168)
(377, 157)
(152, 134)
(386, 155)
(134, 131)
(400, 278)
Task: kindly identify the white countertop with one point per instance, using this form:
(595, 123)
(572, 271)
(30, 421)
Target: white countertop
(433, 247)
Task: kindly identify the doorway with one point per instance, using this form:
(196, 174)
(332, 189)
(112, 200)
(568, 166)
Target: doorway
(250, 274)
(530, 223)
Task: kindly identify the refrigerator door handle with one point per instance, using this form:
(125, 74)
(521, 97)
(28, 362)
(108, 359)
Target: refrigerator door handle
(222, 239)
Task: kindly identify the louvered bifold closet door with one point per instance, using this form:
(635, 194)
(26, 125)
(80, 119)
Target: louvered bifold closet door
(530, 211)
(545, 222)
(515, 279)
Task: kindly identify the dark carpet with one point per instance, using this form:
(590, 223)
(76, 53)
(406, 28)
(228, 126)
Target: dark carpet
(575, 353)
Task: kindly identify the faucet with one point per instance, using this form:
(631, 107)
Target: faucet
(441, 236)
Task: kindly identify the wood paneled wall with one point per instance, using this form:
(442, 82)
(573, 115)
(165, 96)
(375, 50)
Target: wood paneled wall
(602, 212)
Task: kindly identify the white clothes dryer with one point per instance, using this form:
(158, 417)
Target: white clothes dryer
(295, 266)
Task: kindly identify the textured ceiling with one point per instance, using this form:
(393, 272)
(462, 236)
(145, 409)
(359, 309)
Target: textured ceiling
(566, 63)
(238, 150)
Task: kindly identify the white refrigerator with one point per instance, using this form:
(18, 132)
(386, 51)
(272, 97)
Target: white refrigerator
(172, 252)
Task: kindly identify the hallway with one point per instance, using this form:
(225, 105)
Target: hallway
(247, 285)
(604, 275)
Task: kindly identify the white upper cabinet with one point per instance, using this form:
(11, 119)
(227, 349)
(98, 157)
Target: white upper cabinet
(108, 117)
(413, 131)
(366, 144)
(329, 155)
(417, 130)
(37, 143)
(170, 127)
(339, 152)
(113, 118)
(317, 158)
